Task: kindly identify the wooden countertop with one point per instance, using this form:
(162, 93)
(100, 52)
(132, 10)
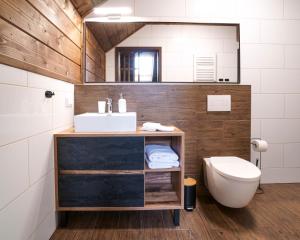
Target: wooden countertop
(71, 133)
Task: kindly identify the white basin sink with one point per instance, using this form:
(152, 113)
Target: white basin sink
(104, 122)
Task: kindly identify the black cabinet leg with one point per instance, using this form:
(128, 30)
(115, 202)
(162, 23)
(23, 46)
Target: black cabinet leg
(63, 219)
(176, 217)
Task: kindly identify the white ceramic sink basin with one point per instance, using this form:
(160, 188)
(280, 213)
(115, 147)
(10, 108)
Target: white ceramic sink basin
(104, 122)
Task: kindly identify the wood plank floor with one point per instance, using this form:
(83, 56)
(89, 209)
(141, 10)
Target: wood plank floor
(272, 215)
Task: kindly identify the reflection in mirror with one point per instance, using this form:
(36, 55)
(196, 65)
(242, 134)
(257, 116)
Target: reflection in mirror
(161, 52)
(137, 64)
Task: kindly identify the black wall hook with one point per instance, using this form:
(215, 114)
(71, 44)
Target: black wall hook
(49, 94)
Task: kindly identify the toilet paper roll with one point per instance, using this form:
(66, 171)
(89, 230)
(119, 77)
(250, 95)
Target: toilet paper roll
(259, 145)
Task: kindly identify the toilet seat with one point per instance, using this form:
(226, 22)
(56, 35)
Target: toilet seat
(235, 168)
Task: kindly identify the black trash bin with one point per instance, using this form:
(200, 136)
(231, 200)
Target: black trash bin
(189, 194)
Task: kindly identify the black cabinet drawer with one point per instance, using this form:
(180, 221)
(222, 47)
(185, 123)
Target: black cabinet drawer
(105, 153)
(106, 190)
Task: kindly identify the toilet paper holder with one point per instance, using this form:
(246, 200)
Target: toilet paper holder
(259, 160)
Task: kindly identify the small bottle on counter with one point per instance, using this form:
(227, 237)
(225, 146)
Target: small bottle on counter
(122, 104)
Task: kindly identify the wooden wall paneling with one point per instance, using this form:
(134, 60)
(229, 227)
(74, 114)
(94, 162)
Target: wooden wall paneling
(57, 17)
(84, 7)
(71, 12)
(207, 133)
(41, 37)
(21, 50)
(94, 59)
(25, 17)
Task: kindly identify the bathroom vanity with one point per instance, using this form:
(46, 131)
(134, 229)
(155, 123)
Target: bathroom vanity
(107, 172)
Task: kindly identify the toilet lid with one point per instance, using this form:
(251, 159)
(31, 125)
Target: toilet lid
(235, 168)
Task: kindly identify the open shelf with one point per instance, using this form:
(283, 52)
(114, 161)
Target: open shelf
(161, 189)
(173, 169)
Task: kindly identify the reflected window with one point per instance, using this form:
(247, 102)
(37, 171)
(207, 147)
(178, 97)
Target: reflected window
(138, 64)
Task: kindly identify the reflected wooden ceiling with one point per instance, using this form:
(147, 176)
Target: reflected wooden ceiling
(110, 35)
(84, 7)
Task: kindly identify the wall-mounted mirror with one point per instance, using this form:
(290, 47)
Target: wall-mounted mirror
(156, 52)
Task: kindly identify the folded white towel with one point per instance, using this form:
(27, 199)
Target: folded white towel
(160, 153)
(151, 126)
(156, 165)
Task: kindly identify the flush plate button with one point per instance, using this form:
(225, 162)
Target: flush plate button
(218, 103)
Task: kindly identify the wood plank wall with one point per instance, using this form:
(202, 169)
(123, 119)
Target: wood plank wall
(42, 36)
(94, 65)
(207, 134)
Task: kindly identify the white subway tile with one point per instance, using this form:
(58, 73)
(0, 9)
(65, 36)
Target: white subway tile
(273, 158)
(292, 9)
(251, 77)
(62, 115)
(45, 230)
(40, 155)
(21, 217)
(292, 56)
(267, 106)
(211, 9)
(11, 75)
(13, 171)
(145, 8)
(280, 175)
(280, 81)
(250, 31)
(40, 111)
(262, 56)
(255, 128)
(280, 31)
(281, 130)
(260, 8)
(292, 106)
(292, 155)
(47, 83)
(14, 113)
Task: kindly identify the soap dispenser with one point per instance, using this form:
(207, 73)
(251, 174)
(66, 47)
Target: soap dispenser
(122, 104)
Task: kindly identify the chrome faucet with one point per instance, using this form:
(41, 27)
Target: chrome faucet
(109, 105)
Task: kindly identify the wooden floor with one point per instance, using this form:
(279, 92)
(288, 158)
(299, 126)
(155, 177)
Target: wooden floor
(272, 215)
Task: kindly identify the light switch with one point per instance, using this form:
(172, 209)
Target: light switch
(218, 103)
(68, 102)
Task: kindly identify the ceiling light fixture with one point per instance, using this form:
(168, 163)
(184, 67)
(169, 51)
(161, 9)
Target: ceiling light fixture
(112, 11)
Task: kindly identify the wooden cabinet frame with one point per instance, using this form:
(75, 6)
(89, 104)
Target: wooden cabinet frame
(163, 188)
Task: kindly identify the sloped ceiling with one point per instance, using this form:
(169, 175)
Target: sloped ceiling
(84, 7)
(110, 35)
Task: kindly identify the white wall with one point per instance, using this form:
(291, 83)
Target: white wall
(27, 123)
(179, 44)
(270, 58)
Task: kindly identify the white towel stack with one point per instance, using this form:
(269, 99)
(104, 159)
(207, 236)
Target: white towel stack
(152, 127)
(161, 156)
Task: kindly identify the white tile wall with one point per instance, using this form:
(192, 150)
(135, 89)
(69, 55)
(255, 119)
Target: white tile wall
(291, 155)
(270, 60)
(27, 123)
(13, 171)
(292, 56)
(267, 106)
(292, 9)
(292, 106)
(281, 130)
(262, 55)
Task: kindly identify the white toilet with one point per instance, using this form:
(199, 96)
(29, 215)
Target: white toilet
(232, 181)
